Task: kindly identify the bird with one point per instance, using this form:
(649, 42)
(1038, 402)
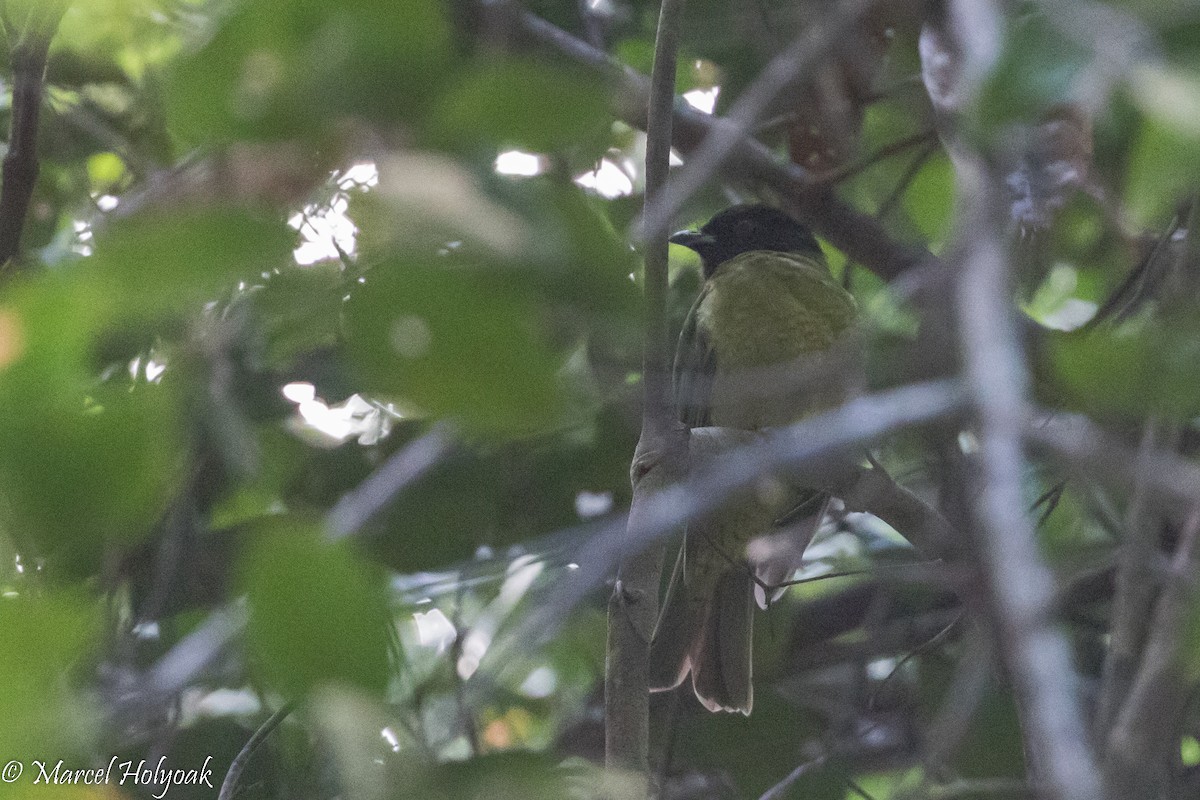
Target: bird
(768, 307)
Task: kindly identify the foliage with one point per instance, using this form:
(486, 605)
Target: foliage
(278, 246)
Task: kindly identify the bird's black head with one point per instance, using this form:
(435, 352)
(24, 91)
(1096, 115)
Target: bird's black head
(740, 229)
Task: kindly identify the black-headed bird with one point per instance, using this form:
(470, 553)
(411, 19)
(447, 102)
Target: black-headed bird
(768, 310)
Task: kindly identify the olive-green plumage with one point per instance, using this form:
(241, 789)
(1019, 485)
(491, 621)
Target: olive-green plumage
(768, 308)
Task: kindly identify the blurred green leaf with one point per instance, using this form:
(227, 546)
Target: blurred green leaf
(1036, 71)
(1136, 369)
(74, 480)
(577, 257)
(1164, 166)
(111, 38)
(277, 70)
(84, 463)
(318, 614)
(454, 342)
(45, 637)
(929, 200)
(299, 310)
(521, 104)
(155, 262)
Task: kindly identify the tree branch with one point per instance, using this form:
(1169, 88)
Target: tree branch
(793, 64)
(660, 456)
(1134, 596)
(1147, 729)
(20, 168)
(749, 164)
(1083, 446)
(821, 450)
(1020, 586)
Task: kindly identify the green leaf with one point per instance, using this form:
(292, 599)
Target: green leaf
(454, 342)
(318, 614)
(1036, 71)
(155, 262)
(299, 310)
(929, 199)
(521, 104)
(44, 637)
(83, 464)
(1137, 369)
(277, 70)
(1164, 165)
(73, 480)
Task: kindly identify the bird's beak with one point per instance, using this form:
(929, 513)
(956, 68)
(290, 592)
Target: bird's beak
(694, 240)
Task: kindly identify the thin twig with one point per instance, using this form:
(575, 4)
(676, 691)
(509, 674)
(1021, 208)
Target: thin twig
(924, 647)
(858, 789)
(465, 717)
(1005, 788)
(229, 786)
(1077, 442)
(910, 173)
(972, 675)
(871, 159)
(780, 789)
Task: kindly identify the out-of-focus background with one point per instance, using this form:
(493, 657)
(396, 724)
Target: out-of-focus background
(320, 372)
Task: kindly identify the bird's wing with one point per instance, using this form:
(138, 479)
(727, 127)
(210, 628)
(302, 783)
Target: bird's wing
(695, 367)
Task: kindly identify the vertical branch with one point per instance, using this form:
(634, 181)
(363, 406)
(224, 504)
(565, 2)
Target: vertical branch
(1135, 592)
(661, 452)
(1147, 728)
(1020, 586)
(20, 168)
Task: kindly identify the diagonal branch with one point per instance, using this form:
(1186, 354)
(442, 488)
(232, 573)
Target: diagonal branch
(796, 61)
(749, 163)
(820, 450)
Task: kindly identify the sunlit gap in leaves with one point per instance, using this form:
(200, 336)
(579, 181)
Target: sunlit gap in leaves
(149, 367)
(589, 505)
(83, 237)
(521, 574)
(540, 683)
(608, 180)
(619, 173)
(520, 164)
(326, 231)
(325, 425)
(704, 100)
(434, 629)
(392, 739)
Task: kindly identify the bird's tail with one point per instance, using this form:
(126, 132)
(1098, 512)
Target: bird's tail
(705, 630)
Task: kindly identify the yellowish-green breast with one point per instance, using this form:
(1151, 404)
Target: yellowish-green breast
(763, 309)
